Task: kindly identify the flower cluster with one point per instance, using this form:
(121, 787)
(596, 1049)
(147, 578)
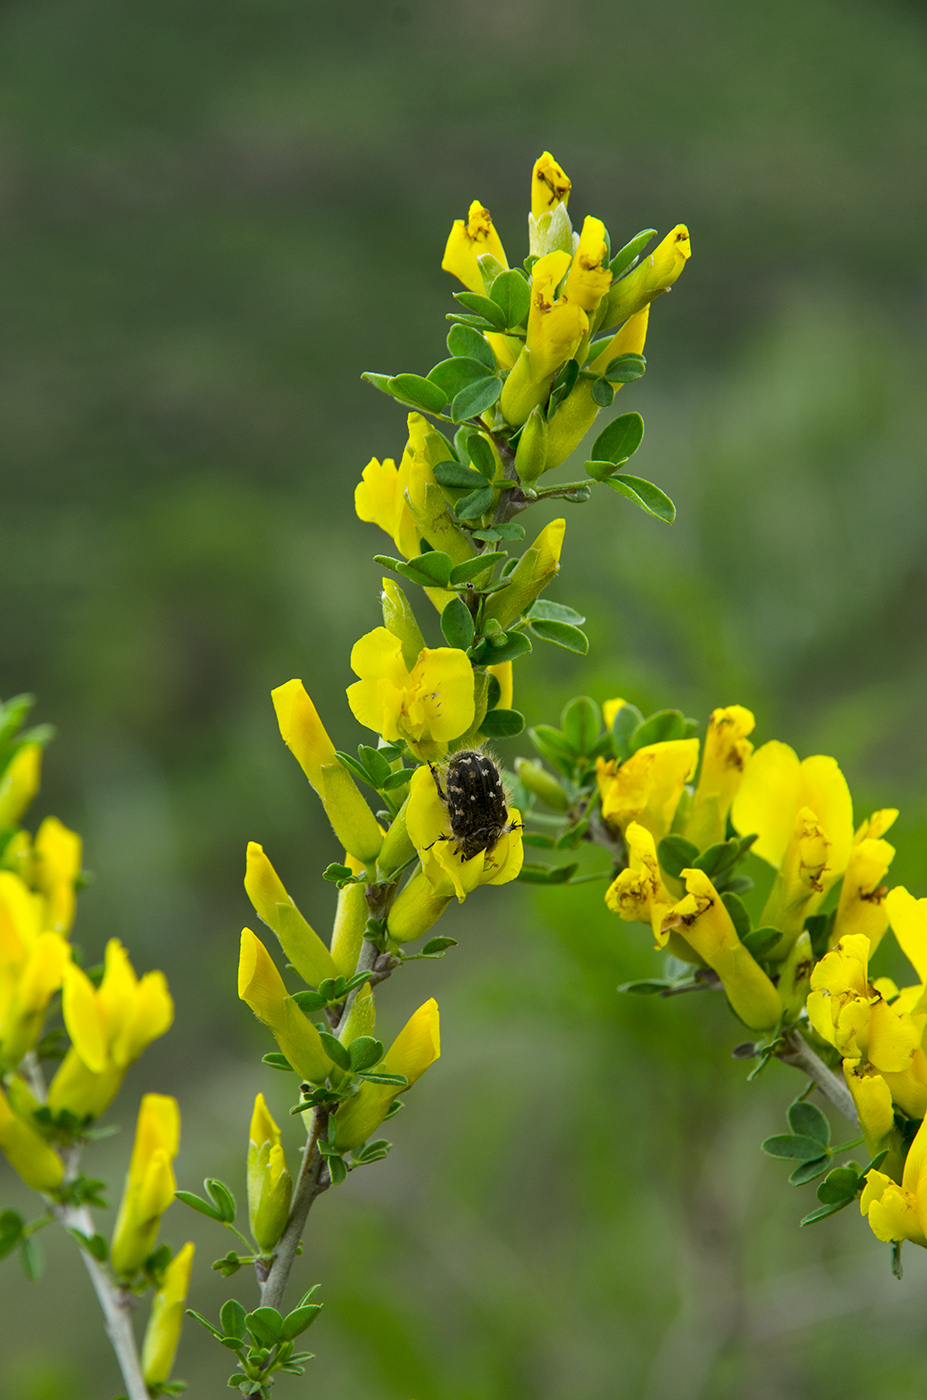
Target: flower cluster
(110, 1018)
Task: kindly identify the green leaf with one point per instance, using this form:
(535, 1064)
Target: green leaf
(378, 1078)
(842, 1185)
(798, 1148)
(547, 874)
(823, 1212)
(676, 854)
(502, 724)
(31, 1258)
(554, 612)
(435, 565)
(11, 1229)
(761, 941)
(397, 779)
(222, 1199)
(646, 986)
(601, 471)
(511, 293)
(232, 1319)
(453, 375)
(551, 745)
(740, 918)
(457, 624)
(276, 1061)
(203, 1323)
(335, 1051)
(465, 343)
(482, 456)
(516, 644)
(334, 871)
(418, 391)
(807, 1119)
(807, 1171)
(337, 1167)
(562, 634)
(477, 323)
(299, 1320)
(198, 1204)
(357, 770)
(626, 721)
(644, 494)
(365, 1052)
(509, 530)
(375, 765)
(620, 440)
(456, 477)
(623, 259)
(265, 1326)
(437, 947)
(476, 504)
(476, 398)
(483, 306)
(472, 568)
(661, 728)
(581, 724)
(624, 369)
(602, 393)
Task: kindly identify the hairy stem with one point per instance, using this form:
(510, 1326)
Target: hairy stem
(116, 1304)
(799, 1053)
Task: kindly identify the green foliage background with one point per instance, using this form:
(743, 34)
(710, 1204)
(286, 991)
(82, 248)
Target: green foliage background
(212, 219)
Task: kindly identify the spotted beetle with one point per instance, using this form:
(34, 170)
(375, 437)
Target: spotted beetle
(475, 802)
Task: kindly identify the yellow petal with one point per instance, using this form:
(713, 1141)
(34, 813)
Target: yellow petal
(83, 1020)
(302, 730)
(550, 185)
(468, 241)
(908, 918)
(301, 944)
(19, 783)
(768, 799)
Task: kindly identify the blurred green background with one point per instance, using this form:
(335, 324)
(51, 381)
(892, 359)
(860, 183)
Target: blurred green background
(212, 219)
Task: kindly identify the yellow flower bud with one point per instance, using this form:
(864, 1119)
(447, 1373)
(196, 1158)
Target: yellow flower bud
(578, 411)
(531, 452)
(537, 566)
(27, 1152)
(703, 921)
(550, 185)
(162, 1334)
(262, 987)
(467, 242)
(724, 758)
(56, 855)
(416, 1047)
(19, 783)
(653, 275)
(150, 1184)
(555, 329)
(303, 731)
(350, 919)
(37, 981)
(543, 784)
(873, 1101)
(397, 848)
(589, 277)
(269, 1184)
(795, 977)
(416, 909)
(301, 944)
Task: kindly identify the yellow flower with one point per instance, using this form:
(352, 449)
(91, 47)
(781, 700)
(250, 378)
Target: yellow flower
(853, 1017)
(269, 1184)
(873, 1100)
(638, 894)
(109, 1027)
(648, 788)
(416, 909)
(150, 1184)
(862, 907)
(589, 278)
(262, 987)
(430, 832)
(550, 185)
(427, 705)
(653, 275)
(900, 1212)
(467, 242)
(704, 922)
(724, 758)
(577, 413)
(56, 854)
(303, 731)
(908, 917)
(416, 1047)
(380, 498)
(19, 783)
(162, 1334)
(537, 566)
(27, 994)
(27, 1152)
(555, 328)
(803, 816)
(302, 945)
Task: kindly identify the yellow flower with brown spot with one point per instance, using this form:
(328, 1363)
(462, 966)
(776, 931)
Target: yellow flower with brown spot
(550, 185)
(724, 758)
(467, 242)
(638, 894)
(555, 328)
(426, 705)
(589, 277)
(649, 786)
(853, 1016)
(654, 274)
(578, 411)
